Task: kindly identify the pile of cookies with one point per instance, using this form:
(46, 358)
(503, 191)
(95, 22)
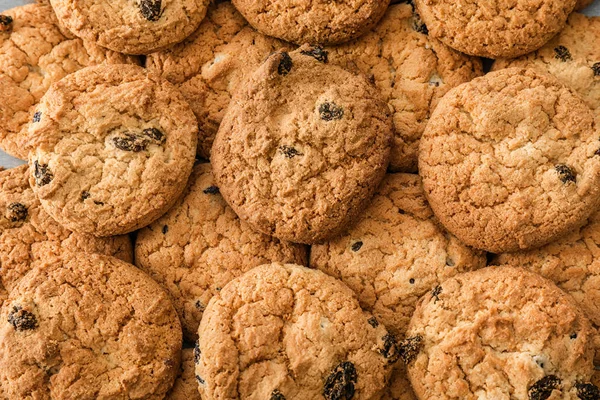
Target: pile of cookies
(300, 200)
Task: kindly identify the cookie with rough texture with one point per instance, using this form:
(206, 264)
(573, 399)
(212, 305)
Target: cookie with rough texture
(131, 27)
(581, 4)
(498, 333)
(282, 331)
(314, 22)
(511, 161)
(302, 147)
(185, 386)
(493, 29)
(412, 70)
(200, 245)
(88, 327)
(34, 54)
(399, 387)
(112, 149)
(210, 65)
(395, 253)
(573, 56)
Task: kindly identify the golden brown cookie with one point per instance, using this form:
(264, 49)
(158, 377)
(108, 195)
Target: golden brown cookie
(185, 386)
(581, 4)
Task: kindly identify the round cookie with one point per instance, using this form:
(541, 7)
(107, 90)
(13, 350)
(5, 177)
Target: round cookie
(302, 147)
(495, 29)
(498, 333)
(88, 327)
(112, 150)
(306, 21)
(200, 245)
(131, 27)
(511, 161)
(210, 65)
(282, 331)
(34, 54)
(186, 385)
(412, 70)
(395, 253)
(581, 4)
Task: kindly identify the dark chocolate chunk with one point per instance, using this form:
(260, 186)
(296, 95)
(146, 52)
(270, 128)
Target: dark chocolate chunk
(356, 246)
(37, 116)
(211, 190)
(330, 111)
(285, 64)
(409, 348)
(542, 389)
(318, 53)
(150, 9)
(565, 173)
(289, 151)
(587, 391)
(277, 395)
(22, 320)
(562, 53)
(42, 174)
(16, 212)
(340, 383)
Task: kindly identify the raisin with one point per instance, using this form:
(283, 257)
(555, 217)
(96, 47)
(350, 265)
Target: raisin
(5, 23)
(390, 348)
(566, 173)
(410, 348)
(587, 391)
(542, 389)
(435, 292)
(330, 111)
(85, 195)
(42, 174)
(290, 152)
(419, 26)
(131, 142)
(449, 262)
(169, 363)
(596, 69)
(562, 54)
(411, 281)
(573, 335)
(22, 320)
(211, 190)
(200, 380)
(401, 211)
(37, 116)
(318, 53)
(16, 212)
(340, 383)
(356, 246)
(165, 229)
(98, 203)
(373, 322)
(150, 9)
(197, 352)
(199, 305)
(285, 64)
(277, 395)
(155, 135)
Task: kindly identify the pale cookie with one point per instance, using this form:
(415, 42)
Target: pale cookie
(302, 147)
(493, 29)
(33, 55)
(200, 245)
(112, 150)
(282, 331)
(498, 333)
(511, 161)
(186, 385)
(88, 327)
(210, 65)
(131, 27)
(314, 22)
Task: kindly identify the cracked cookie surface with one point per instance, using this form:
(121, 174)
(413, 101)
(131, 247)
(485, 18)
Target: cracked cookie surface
(302, 147)
(499, 333)
(113, 149)
(88, 327)
(200, 245)
(510, 161)
(186, 385)
(294, 331)
(493, 29)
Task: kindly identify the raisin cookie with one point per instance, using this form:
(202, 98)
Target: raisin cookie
(200, 245)
(498, 333)
(411, 69)
(399, 387)
(302, 147)
(112, 149)
(511, 161)
(131, 27)
(34, 54)
(88, 327)
(293, 332)
(581, 4)
(186, 385)
(495, 29)
(209, 65)
(315, 22)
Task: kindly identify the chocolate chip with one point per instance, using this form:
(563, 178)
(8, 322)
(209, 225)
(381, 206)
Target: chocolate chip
(290, 152)
(131, 142)
(340, 383)
(150, 9)
(596, 69)
(165, 229)
(277, 395)
(356, 246)
(211, 190)
(542, 389)
(373, 322)
(155, 135)
(390, 348)
(37, 116)
(197, 352)
(42, 174)
(436, 292)
(330, 111)
(5, 23)
(318, 53)
(85, 195)
(419, 26)
(562, 54)
(285, 64)
(22, 320)
(587, 391)
(16, 212)
(565, 173)
(409, 348)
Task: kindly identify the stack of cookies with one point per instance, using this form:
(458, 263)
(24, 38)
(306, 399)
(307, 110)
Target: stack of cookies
(300, 200)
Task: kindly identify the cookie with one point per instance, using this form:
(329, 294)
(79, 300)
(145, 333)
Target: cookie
(185, 386)
(495, 29)
(34, 54)
(395, 253)
(88, 327)
(305, 21)
(210, 65)
(581, 4)
(573, 56)
(399, 387)
(302, 147)
(412, 70)
(112, 149)
(282, 331)
(498, 333)
(200, 245)
(511, 161)
(131, 27)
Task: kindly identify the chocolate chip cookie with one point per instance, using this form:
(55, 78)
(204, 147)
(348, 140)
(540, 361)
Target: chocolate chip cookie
(112, 150)
(186, 385)
(302, 147)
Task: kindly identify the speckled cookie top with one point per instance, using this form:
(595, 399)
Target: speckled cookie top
(493, 29)
(498, 333)
(302, 147)
(511, 161)
(88, 327)
(186, 385)
(314, 22)
(112, 149)
(210, 65)
(200, 245)
(395, 253)
(411, 69)
(294, 331)
(33, 55)
(131, 27)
